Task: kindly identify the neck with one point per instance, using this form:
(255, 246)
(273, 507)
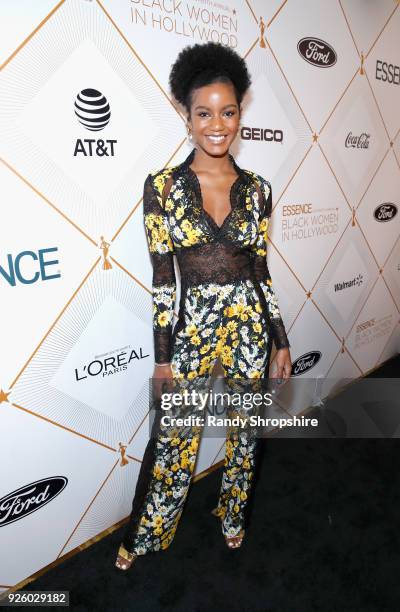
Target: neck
(214, 164)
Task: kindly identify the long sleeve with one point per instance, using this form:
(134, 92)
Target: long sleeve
(261, 268)
(161, 250)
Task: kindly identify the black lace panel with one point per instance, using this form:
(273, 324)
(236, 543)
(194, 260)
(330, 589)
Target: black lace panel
(176, 223)
(262, 274)
(164, 282)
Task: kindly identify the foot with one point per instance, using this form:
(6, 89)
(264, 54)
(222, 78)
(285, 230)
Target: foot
(235, 541)
(124, 558)
(231, 541)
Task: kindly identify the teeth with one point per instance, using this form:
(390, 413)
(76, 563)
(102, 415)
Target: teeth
(216, 138)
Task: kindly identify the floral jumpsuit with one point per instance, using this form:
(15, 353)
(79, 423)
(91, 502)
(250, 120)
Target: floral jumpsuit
(228, 310)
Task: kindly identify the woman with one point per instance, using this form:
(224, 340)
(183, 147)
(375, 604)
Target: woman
(213, 216)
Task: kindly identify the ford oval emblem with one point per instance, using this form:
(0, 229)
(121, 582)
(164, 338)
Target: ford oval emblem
(317, 52)
(385, 212)
(29, 498)
(305, 362)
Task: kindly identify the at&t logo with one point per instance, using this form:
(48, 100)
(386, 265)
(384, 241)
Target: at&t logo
(93, 112)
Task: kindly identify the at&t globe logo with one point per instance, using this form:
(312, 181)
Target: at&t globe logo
(92, 109)
(93, 112)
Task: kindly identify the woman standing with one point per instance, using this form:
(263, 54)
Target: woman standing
(213, 215)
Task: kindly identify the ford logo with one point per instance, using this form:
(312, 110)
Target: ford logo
(385, 212)
(317, 52)
(30, 498)
(305, 362)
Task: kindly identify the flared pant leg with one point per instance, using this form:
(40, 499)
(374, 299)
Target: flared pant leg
(246, 365)
(238, 339)
(161, 491)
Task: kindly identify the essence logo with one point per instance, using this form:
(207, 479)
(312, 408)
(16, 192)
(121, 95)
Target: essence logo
(28, 499)
(387, 72)
(357, 281)
(317, 52)
(305, 362)
(93, 112)
(247, 133)
(385, 212)
(357, 142)
(14, 272)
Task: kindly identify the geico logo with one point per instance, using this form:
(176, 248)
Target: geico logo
(296, 209)
(387, 72)
(13, 271)
(267, 134)
(91, 146)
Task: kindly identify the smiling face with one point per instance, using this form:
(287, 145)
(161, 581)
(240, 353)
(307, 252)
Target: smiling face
(214, 117)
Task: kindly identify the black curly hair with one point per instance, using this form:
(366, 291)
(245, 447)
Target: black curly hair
(203, 64)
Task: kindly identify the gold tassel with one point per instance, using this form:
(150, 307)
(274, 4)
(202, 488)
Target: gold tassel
(262, 30)
(122, 450)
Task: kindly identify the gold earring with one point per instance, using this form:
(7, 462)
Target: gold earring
(189, 135)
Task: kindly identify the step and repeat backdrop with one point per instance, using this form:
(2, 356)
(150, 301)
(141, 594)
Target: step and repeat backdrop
(76, 353)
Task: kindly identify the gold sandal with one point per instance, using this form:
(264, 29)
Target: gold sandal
(125, 558)
(231, 541)
(235, 541)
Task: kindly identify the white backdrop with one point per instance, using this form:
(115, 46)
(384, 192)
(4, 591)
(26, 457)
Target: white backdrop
(321, 123)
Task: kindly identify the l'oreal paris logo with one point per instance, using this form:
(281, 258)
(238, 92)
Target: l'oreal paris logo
(317, 52)
(385, 212)
(110, 365)
(30, 498)
(305, 362)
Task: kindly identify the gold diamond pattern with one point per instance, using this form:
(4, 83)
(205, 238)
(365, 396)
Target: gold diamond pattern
(6, 393)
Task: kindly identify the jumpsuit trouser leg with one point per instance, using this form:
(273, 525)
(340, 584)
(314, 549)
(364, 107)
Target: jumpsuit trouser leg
(237, 337)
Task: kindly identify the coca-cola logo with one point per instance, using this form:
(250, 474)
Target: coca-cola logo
(385, 212)
(305, 362)
(357, 142)
(317, 52)
(28, 499)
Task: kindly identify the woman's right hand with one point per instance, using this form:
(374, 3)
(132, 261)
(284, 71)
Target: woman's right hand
(162, 380)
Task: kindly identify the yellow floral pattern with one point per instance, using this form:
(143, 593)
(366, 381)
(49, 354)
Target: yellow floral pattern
(217, 320)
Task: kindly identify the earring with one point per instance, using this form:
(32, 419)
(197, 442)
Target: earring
(189, 135)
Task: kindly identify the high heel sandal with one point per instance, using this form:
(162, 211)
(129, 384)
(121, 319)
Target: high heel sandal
(231, 541)
(125, 558)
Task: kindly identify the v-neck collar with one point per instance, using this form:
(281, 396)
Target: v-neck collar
(242, 177)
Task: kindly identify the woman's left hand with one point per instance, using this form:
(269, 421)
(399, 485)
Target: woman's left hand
(283, 364)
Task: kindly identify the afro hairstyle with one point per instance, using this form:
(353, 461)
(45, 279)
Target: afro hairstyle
(203, 64)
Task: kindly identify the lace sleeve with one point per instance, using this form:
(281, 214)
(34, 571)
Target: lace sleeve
(261, 268)
(161, 249)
